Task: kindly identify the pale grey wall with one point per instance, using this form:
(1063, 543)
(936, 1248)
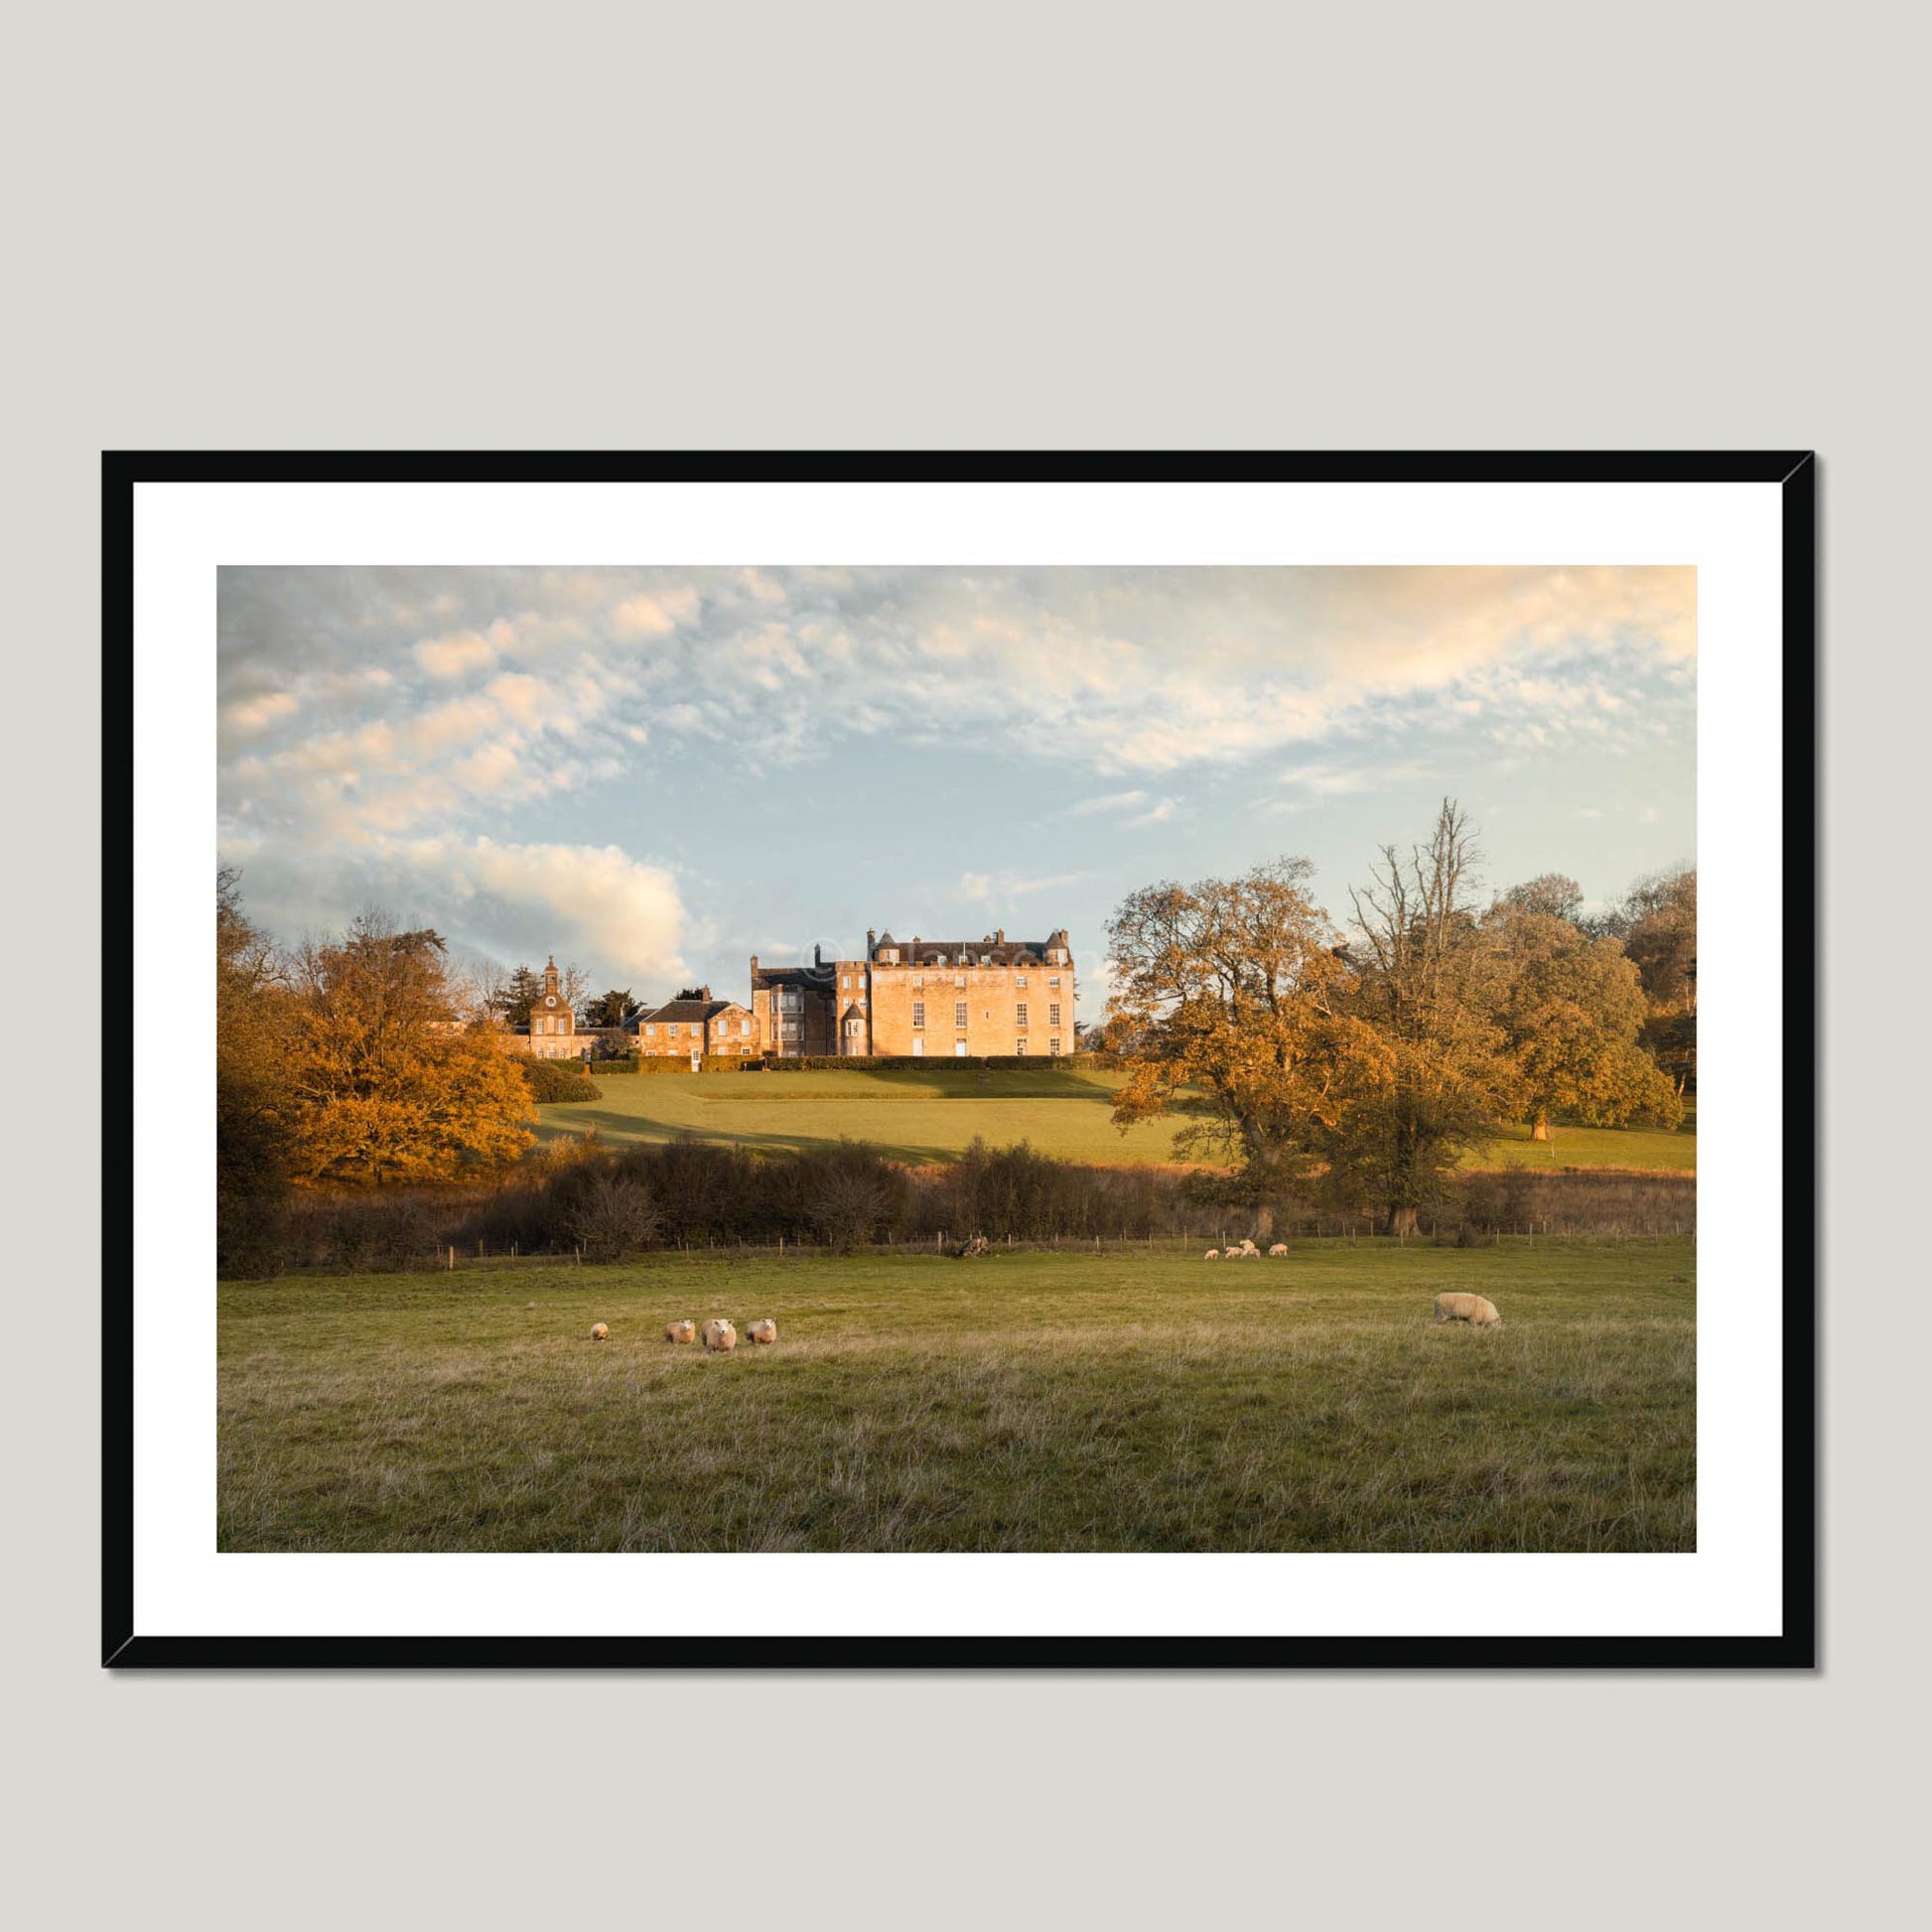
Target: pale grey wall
(1643, 225)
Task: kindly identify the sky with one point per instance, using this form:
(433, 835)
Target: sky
(656, 772)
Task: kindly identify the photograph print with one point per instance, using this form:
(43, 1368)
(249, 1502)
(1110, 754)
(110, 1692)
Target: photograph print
(769, 1061)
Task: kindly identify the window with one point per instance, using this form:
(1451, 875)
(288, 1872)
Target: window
(918, 1050)
(959, 1049)
(1020, 979)
(1054, 979)
(1054, 1013)
(959, 1015)
(744, 1030)
(845, 983)
(959, 979)
(918, 979)
(1019, 1013)
(791, 1030)
(918, 1012)
(1052, 1046)
(1020, 1046)
(650, 1032)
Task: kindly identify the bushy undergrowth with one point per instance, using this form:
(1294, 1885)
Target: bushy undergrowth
(581, 1195)
(552, 1080)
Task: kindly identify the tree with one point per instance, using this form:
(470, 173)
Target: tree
(1552, 893)
(609, 1010)
(1656, 922)
(1430, 1087)
(1573, 1012)
(1661, 937)
(389, 1085)
(515, 997)
(1225, 1009)
(253, 1096)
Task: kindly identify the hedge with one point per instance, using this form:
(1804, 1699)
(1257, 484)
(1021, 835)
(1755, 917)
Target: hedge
(919, 1062)
(841, 1062)
(678, 1064)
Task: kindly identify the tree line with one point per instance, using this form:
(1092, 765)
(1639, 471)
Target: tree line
(1359, 1064)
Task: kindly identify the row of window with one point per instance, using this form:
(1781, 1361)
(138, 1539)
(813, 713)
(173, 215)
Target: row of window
(723, 1028)
(888, 956)
(919, 980)
(959, 1048)
(959, 1014)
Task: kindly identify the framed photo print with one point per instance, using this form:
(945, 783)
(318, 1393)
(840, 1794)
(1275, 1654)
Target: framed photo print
(1068, 1061)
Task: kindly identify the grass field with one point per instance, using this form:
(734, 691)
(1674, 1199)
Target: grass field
(1025, 1401)
(933, 1116)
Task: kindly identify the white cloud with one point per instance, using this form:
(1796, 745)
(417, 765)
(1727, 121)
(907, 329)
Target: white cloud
(247, 715)
(655, 615)
(457, 655)
(1107, 801)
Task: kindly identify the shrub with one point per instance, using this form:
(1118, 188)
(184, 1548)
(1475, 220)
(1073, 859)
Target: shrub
(613, 1217)
(553, 1081)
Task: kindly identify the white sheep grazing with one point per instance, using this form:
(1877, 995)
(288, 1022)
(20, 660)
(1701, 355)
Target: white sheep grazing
(599, 1331)
(720, 1334)
(681, 1331)
(1457, 1306)
(1280, 1248)
(1250, 1253)
(764, 1332)
(1248, 1247)
(1213, 1254)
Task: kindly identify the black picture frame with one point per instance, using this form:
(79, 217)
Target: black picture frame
(1795, 473)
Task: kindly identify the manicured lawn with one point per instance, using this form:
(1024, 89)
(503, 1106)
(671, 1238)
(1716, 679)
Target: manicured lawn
(933, 1116)
(1025, 1401)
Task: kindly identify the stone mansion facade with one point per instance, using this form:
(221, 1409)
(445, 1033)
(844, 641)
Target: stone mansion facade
(939, 999)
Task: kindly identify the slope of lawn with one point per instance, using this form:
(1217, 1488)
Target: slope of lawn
(933, 1116)
(1024, 1401)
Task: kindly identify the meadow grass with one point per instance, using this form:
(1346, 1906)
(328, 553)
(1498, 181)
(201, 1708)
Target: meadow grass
(931, 1117)
(1024, 1401)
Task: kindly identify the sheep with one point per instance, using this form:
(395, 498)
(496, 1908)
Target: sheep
(1213, 1254)
(1457, 1306)
(1248, 1247)
(681, 1331)
(763, 1331)
(1279, 1249)
(719, 1334)
(599, 1331)
(1250, 1253)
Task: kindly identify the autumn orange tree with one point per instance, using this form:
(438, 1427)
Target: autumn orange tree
(389, 1083)
(1572, 1011)
(1226, 1005)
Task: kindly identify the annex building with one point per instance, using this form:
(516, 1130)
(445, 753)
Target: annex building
(695, 1023)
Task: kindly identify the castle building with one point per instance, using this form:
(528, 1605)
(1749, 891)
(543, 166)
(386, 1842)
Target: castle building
(694, 1024)
(940, 999)
(552, 1032)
